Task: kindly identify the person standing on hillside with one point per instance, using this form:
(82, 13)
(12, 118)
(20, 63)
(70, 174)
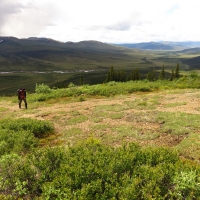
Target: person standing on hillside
(22, 96)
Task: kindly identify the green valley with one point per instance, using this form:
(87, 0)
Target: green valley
(25, 62)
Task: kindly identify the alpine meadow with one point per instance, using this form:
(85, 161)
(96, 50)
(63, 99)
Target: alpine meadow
(104, 121)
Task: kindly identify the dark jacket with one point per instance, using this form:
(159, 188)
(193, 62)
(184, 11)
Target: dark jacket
(21, 94)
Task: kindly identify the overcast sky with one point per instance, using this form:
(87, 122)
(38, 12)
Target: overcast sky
(111, 21)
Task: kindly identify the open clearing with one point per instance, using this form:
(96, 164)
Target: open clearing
(144, 118)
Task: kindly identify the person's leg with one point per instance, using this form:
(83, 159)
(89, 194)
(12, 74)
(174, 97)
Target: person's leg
(20, 101)
(26, 105)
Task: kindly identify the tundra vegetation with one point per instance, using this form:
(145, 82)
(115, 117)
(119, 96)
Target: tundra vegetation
(40, 160)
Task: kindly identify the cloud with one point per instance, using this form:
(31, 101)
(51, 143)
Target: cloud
(25, 19)
(102, 20)
(125, 25)
(8, 8)
(119, 26)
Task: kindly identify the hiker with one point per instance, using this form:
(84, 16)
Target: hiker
(22, 96)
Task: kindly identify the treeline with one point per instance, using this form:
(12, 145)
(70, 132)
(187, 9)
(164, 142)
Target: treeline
(153, 75)
(44, 92)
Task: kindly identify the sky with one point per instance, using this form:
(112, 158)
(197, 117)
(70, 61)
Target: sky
(109, 21)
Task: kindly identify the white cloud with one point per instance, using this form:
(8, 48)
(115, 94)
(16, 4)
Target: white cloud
(103, 20)
(25, 19)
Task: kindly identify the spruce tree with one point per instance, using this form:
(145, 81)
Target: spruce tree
(117, 76)
(122, 76)
(108, 77)
(137, 75)
(150, 76)
(162, 73)
(133, 75)
(177, 75)
(112, 74)
(172, 75)
(153, 75)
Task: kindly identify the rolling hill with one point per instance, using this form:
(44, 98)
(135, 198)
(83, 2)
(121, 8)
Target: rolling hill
(46, 54)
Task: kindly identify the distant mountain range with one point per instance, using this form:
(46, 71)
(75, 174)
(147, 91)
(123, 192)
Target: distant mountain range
(45, 54)
(182, 49)
(13, 44)
(172, 46)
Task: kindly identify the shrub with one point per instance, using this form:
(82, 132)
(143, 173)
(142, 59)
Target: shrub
(37, 127)
(71, 85)
(42, 88)
(16, 141)
(17, 176)
(94, 171)
(186, 185)
(115, 88)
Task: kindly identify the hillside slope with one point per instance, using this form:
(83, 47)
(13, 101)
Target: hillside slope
(46, 54)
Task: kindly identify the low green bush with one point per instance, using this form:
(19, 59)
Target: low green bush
(37, 127)
(43, 92)
(17, 177)
(16, 141)
(42, 88)
(94, 171)
(186, 185)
